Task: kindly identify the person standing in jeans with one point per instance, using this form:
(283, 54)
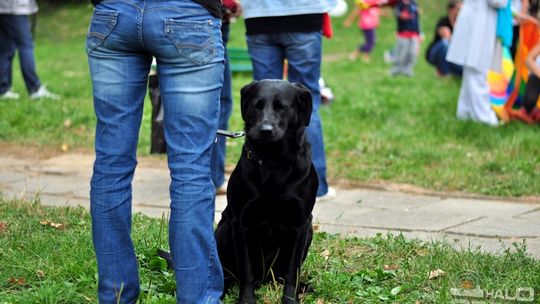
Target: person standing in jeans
(16, 35)
(291, 29)
(185, 38)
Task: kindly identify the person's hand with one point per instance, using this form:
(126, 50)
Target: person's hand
(445, 32)
(237, 11)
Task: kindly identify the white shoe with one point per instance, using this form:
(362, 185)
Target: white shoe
(387, 57)
(42, 92)
(9, 94)
(330, 195)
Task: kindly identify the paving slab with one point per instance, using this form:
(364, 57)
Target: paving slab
(533, 214)
(383, 199)
(153, 192)
(10, 177)
(500, 227)
(415, 219)
(49, 184)
(335, 212)
(481, 207)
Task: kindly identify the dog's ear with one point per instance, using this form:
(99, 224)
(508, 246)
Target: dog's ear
(245, 95)
(305, 103)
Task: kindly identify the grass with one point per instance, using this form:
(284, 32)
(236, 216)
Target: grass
(400, 130)
(43, 264)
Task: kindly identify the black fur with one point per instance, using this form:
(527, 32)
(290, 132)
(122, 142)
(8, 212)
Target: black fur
(266, 229)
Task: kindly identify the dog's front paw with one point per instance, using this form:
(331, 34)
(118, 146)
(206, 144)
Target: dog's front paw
(247, 298)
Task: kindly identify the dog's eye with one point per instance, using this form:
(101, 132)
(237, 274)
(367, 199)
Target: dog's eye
(278, 106)
(259, 105)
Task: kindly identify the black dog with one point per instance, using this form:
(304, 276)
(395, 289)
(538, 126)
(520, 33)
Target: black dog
(266, 229)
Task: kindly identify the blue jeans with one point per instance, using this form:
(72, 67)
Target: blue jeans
(15, 35)
(186, 41)
(437, 57)
(217, 164)
(303, 52)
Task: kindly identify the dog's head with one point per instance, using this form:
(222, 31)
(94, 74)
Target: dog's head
(271, 107)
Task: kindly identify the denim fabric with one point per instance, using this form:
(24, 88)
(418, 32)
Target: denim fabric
(186, 41)
(437, 57)
(303, 52)
(217, 164)
(15, 35)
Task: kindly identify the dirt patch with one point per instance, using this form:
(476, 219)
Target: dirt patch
(28, 151)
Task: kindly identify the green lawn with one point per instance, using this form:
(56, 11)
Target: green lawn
(43, 264)
(379, 128)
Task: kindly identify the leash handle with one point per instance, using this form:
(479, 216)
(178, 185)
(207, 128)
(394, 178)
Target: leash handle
(230, 134)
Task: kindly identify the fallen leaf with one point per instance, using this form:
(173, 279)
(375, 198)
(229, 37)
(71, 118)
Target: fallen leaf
(467, 284)
(16, 281)
(51, 224)
(422, 252)
(3, 227)
(320, 301)
(65, 147)
(40, 274)
(325, 254)
(391, 267)
(316, 227)
(434, 274)
(67, 123)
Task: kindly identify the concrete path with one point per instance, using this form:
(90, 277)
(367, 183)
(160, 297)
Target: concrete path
(489, 224)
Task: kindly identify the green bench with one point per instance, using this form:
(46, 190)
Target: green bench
(239, 60)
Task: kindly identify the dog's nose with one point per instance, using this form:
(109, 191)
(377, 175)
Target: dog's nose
(266, 129)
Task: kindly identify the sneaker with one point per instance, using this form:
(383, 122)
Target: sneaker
(330, 195)
(387, 57)
(42, 92)
(9, 94)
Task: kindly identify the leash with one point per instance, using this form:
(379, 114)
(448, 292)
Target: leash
(231, 134)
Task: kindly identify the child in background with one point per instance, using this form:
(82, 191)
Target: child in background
(368, 20)
(407, 46)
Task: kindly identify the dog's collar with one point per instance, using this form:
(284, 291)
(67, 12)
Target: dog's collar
(254, 157)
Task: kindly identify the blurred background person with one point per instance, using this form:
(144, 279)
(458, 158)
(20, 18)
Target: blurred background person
(16, 36)
(437, 49)
(473, 47)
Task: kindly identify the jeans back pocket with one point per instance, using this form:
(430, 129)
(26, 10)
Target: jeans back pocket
(101, 26)
(194, 40)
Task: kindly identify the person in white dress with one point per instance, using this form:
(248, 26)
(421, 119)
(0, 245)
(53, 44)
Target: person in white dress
(473, 46)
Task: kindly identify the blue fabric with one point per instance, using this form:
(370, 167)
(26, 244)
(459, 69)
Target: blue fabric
(15, 35)
(437, 57)
(217, 164)
(303, 52)
(504, 25)
(186, 41)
